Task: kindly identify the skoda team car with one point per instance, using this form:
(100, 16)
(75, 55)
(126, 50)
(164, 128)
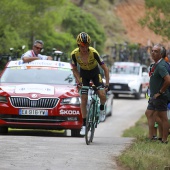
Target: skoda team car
(129, 78)
(39, 95)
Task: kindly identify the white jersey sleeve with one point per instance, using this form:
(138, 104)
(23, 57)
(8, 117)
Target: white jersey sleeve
(27, 54)
(30, 53)
(43, 57)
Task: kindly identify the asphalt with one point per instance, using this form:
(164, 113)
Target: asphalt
(60, 153)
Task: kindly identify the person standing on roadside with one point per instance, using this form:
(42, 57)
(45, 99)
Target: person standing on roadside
(34, 54)
(157, 119)
(157, 104)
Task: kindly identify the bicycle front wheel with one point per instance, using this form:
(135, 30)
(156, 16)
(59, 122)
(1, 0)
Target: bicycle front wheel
(90, 124)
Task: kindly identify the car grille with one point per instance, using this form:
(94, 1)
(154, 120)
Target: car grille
(23, 102)
(119, 87)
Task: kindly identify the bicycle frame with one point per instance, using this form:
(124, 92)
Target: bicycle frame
(92, 118)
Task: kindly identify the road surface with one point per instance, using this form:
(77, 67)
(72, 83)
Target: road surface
(39, 150)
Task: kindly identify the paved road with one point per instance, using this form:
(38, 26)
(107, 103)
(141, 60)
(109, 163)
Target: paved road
(49, 151)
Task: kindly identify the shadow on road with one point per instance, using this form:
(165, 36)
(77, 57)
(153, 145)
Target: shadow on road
(32, 132)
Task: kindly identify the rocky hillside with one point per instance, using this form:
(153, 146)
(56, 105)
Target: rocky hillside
(130, 11)
(121, 20)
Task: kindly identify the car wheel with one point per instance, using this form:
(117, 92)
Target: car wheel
(138, 95)
(3, 130)
(75, 133)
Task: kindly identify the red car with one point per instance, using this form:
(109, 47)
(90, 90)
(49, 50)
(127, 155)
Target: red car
(39, 95)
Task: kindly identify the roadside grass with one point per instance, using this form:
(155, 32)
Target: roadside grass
(144, 154)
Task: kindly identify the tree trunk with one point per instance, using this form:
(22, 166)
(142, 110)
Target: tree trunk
(111, 1)
(81, 3)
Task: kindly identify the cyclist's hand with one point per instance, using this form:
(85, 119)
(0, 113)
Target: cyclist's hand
(106, 87)
(79, 85)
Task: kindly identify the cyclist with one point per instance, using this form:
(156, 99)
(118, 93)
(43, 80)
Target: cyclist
(88, 61)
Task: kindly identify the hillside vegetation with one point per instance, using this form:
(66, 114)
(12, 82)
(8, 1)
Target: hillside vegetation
(57, 23)
(121, 21)
(105, 14)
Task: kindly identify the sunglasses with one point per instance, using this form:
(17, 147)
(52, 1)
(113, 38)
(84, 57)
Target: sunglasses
(83, 44)
(38, 48)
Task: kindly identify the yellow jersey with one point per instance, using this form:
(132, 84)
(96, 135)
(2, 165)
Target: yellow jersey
(93, 59)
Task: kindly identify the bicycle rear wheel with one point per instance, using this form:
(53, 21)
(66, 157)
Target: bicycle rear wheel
(90, 124)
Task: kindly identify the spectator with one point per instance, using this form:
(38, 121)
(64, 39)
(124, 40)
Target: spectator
(34, 54)
(157, 104)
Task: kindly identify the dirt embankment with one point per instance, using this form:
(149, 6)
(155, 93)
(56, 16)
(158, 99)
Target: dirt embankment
(130, 11)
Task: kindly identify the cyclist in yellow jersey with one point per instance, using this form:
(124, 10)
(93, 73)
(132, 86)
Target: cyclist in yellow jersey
(89, 61)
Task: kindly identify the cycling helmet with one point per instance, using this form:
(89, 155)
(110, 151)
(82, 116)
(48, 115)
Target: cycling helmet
(83, 38)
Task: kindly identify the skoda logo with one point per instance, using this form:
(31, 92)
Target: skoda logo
(34, 95)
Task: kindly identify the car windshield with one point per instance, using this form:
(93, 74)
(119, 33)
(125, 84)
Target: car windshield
(125, 70)
(38, 76)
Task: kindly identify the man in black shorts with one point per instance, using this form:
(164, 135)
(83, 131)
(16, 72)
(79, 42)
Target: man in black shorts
(88, 59)
(157, 104)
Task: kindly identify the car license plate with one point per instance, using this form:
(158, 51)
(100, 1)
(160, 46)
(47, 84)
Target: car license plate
(33, 112)
(117, 87)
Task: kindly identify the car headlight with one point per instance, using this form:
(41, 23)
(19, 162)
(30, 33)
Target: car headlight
(71, 100)
(3, 99)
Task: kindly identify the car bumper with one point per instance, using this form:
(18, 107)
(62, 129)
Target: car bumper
(37, 122)
(123, 92)
(121, 89)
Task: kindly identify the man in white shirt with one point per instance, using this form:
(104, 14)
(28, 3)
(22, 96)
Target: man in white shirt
(34, 54)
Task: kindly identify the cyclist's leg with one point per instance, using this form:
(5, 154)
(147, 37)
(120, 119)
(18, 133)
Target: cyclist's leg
(84, 98)
(83, 105)
(98, 82)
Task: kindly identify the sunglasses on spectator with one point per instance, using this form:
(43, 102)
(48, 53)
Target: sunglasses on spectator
(38, 48)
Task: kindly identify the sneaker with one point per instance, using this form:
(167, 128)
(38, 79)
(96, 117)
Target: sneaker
(160, 139)
(83, 130)
(102, 115)
(165, 142)
(154, 138)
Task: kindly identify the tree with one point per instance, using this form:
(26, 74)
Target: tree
(77, 21)
(81, 2)
(157, 17)
(23, 21)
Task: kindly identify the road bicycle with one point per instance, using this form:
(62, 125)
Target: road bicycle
(92, 117)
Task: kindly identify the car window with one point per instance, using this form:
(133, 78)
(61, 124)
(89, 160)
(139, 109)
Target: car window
(125, 70)
(144, 69)
(38, 75)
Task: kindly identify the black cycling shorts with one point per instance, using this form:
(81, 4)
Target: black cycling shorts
(91, 75)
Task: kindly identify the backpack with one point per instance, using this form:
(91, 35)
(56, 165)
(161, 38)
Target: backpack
(168, 67)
